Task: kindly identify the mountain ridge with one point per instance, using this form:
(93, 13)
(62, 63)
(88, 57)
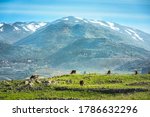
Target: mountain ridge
(77, 43)
(12, 32)
(99, 29)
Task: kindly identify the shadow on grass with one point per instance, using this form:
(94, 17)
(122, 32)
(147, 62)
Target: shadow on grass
(103, 90)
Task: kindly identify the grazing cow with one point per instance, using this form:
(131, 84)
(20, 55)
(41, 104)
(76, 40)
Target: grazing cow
(135, 72)
(73, 72)
(109, 72)
(34, 77)
(81, 82)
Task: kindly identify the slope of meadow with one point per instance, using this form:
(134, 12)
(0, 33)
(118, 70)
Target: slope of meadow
(95, 87)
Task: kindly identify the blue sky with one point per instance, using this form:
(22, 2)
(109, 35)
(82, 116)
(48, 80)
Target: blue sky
(134, 13)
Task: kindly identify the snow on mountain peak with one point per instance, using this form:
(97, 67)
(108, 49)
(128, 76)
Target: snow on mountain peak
(33, 26)
(72, 19)
(134, 35)
(98, 22)
(42, 23)
(1, 25)
(65, 19)
(29, 27)
(107, 24)
(79, 18)
(1, 29)
(16, 28)
(112, 26)
(26, 29)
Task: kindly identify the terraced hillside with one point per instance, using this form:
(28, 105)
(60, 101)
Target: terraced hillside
(80, 87)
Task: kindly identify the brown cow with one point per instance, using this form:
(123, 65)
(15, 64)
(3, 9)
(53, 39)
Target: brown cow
(34, 77)
(73, 72)
(109, 72)
(81, 82)
(135, 72)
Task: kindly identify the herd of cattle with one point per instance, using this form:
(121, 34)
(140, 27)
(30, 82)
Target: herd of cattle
(35, 79)
(81, 82)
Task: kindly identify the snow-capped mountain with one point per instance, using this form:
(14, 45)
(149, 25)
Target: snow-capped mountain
(77, 43)
(75, 27)
(12, 32)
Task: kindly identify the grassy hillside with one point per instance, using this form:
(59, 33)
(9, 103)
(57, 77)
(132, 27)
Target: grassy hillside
(96, 87)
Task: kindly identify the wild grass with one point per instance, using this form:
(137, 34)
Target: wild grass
(96, 87)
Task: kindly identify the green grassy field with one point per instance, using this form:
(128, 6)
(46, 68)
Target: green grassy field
(96, 87)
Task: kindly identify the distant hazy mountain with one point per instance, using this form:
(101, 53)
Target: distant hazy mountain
(3, 47)
(12, 32)
(76, 43)
(96, 54)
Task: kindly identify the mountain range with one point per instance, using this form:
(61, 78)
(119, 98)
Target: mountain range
(13, 32)
(73, 43)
